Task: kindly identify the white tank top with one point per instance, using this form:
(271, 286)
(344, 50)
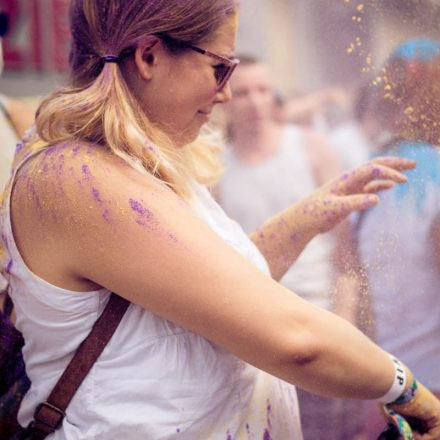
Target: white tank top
(154, 380)
(250, 194)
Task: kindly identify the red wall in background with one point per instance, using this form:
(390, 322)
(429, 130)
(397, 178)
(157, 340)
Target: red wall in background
(38, 37)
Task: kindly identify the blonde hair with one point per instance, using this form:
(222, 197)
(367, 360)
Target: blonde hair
(99, 107)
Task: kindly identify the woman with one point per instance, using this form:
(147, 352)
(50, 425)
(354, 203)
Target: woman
(109, 198)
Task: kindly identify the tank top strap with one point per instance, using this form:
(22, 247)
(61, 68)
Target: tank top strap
(26, 150)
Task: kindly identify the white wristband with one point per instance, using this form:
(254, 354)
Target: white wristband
(399, 383)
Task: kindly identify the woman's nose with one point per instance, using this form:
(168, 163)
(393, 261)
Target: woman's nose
(224, 95)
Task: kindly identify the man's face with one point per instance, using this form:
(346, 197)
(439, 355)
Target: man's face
(253, 98)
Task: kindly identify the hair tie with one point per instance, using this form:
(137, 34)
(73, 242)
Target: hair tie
(110, 59)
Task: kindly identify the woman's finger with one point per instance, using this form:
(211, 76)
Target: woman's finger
(357, 202)
(378, 185)
(398, 163)
(355, 181)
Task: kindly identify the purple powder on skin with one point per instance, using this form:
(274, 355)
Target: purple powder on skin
(139, 208)
(86, 171)
(106, 216)
(31, 189)
(49, 151)
(261, 235)
(294, 238)
(178, 430)
(9, 266)
(61, 164)
(19, 147)
(76, 149)
(145, 215)
(96, 195)
(173, 237)
(266, 435)
(282, 222)
(228, 436)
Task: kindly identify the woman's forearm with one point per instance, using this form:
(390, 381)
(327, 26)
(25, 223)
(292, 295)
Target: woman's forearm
(282, 238)
(340, 361)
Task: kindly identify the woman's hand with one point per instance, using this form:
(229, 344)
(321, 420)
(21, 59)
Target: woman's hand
(282, 238)
(423, 413)
(353, 191)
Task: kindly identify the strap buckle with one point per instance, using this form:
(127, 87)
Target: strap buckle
(49, 415)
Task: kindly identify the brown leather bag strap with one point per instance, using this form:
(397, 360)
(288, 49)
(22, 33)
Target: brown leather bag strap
(49, 415)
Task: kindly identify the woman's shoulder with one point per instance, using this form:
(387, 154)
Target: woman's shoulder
(77, 184)
(76, 167)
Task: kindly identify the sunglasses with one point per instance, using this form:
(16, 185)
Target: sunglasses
(222, 71)
(4, 24)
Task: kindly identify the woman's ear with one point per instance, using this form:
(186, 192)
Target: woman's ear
(146, 56)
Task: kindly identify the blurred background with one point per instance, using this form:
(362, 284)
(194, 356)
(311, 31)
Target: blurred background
(309, 44)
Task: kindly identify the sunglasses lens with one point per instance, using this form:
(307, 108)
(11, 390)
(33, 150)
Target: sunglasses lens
(221, 72)
(4, 24)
